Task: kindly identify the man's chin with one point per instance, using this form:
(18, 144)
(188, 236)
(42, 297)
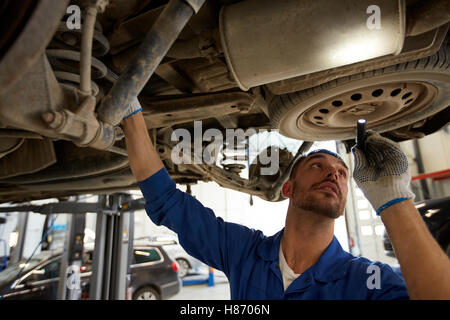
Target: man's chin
(329, 213)
(329, 209)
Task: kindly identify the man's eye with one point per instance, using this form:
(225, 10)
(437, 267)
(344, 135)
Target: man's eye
(316, 165)
(342, 173)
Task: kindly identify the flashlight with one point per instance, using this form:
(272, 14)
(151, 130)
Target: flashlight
(361, 134)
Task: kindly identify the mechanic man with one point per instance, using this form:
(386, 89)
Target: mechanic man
(304, 260)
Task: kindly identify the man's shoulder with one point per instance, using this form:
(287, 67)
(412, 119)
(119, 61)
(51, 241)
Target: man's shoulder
(365, 265)
(380, 280)
(266, 247)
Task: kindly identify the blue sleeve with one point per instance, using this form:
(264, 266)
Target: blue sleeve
(204, 236)
(392, 286)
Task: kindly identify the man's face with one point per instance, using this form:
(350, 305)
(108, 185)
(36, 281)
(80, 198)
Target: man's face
(319, 185)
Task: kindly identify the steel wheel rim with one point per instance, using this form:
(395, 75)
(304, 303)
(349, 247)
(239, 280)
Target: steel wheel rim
(378, 103)
(184, 267)
(146, 295)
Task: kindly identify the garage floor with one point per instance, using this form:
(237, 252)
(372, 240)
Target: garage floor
(220, 290)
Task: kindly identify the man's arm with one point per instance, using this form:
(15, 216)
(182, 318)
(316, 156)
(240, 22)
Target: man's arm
(381, 172)
(206, 237)
(144, 160)
(425, 267)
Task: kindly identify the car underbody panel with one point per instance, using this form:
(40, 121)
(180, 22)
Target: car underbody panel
(63, 86)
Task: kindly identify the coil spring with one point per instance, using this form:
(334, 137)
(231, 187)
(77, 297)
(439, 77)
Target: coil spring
(233, 158)
(64, 56)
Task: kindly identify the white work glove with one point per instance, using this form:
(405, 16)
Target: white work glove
(381, 172)
(134, 108)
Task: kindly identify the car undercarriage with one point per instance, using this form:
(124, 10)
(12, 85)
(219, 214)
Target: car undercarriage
(250, 64)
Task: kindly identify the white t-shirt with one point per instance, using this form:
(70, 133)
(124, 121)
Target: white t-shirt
(286, 272)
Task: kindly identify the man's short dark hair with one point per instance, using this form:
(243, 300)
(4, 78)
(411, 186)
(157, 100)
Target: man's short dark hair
(307, 154)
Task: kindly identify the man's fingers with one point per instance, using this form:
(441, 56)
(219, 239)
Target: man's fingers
(377, 140)
(360, 158)
(375, 156)
(386, 156)
(364, 170)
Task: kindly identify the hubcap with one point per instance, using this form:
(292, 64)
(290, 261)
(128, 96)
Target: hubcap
(146, 295)
(184, 267)
(378, 104)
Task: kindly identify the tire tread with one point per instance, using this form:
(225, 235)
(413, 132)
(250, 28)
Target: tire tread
(281, 104)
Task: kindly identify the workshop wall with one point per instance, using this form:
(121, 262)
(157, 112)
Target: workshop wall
(435, 152)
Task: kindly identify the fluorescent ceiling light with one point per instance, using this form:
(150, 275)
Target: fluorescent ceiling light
(13, 239)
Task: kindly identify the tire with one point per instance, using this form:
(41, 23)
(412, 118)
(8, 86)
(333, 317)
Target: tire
(443, 238)
(184, 267)
(146, 293)
(317, 113)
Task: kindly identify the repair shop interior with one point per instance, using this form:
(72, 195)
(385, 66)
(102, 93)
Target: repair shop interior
(232, 93)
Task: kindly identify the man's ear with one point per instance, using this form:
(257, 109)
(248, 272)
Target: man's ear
(286, 190)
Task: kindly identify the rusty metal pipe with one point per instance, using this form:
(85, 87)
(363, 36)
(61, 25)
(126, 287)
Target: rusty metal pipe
(16, 133)
(278, 184)
(152, 50)
(86, 49)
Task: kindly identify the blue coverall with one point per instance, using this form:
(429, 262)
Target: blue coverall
(250, 259)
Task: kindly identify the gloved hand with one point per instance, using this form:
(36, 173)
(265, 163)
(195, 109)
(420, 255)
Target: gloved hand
(134, 108)
(381, 172)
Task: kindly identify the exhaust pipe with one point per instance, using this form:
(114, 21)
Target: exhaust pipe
(266, 41)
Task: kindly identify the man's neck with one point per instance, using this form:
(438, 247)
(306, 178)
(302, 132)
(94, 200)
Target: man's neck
(306, 236)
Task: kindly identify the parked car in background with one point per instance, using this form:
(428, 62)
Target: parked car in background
(186, 262)
(153, 276)
(436, 215)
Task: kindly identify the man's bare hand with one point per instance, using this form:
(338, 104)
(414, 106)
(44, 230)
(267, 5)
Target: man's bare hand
(144, 160)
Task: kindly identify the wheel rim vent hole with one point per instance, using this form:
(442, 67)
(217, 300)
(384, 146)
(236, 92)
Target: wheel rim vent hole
(337, 103)
(318, 119)
(377, 93)
(356, 96)
(395, 92)
(407, 95)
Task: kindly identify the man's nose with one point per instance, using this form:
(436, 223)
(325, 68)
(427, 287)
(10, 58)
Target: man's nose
(333, 173)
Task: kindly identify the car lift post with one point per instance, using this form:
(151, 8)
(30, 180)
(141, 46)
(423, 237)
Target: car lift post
(114, 234)
(69, 287)
(16, 252)
(113, 244)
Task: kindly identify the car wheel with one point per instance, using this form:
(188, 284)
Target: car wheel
(183, 267)
(443, 238)
(146, 293)
(388, 98)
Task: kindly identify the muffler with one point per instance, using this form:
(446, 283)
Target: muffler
(266, 41)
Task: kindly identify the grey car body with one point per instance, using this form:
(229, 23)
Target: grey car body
(175, 251)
